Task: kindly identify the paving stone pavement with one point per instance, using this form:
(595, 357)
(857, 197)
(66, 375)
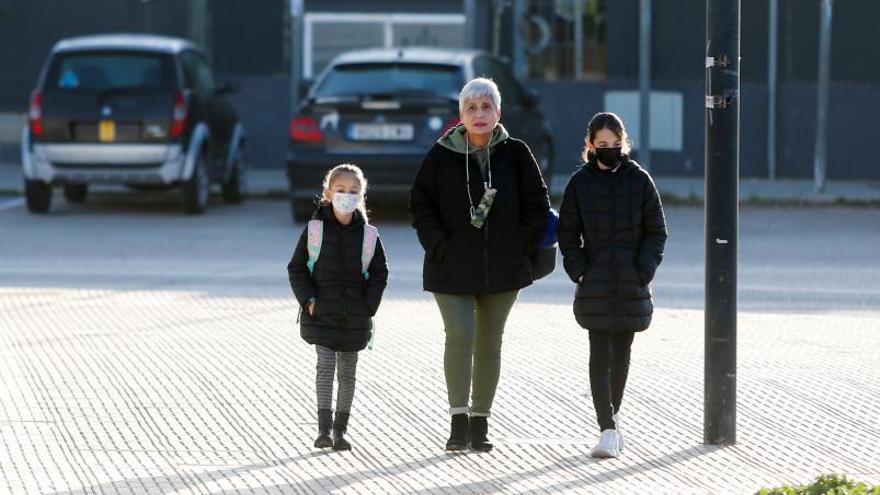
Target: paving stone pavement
(120, 374)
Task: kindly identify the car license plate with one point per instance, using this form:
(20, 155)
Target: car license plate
(382, 132)
(107, 131)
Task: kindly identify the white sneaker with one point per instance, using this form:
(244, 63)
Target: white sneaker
(607, 446)
(616, 419)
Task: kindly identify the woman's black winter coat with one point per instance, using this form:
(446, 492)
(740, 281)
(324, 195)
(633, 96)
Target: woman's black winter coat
(460, 258)
(612, 231)
(344, 300)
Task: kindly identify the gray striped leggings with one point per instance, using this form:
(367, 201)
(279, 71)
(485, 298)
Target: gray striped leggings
(327, 359)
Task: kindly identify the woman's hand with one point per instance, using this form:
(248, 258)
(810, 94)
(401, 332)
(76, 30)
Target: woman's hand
(311, 307)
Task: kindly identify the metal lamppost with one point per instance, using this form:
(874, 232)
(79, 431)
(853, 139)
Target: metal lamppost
(722, 218)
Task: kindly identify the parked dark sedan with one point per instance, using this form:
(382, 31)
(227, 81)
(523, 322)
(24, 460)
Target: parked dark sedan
(383, 109)
(138, 110)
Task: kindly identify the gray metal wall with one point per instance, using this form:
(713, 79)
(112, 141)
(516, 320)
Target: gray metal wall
(249, 37)
(678, 48)
(851, 124)
(679, 34)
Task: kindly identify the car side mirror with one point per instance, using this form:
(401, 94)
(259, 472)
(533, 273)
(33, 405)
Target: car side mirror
(228, 87)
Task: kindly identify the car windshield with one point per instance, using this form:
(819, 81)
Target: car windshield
(391, 79)
(111, 71)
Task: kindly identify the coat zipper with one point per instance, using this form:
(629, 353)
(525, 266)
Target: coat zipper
(486, 224)
(342, 276)
(486, 252)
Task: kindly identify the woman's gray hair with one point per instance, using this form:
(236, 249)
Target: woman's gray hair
(477, 88)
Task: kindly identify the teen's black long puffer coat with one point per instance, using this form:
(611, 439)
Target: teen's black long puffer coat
(612, 231)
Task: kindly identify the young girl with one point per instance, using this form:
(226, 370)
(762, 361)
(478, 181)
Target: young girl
(338, 274)
(611, 233)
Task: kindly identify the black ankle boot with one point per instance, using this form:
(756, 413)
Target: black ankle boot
(479, 427)
(458, 436)
(340, 425)
(325, 419)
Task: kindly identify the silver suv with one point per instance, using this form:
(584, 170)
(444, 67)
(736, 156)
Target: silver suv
(138, 110)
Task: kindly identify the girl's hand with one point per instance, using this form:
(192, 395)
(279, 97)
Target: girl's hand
(311, 308)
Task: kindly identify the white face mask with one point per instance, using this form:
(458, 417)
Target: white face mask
(346, 203)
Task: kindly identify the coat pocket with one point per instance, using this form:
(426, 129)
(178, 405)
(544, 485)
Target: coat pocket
(315, 310)
(446, 247)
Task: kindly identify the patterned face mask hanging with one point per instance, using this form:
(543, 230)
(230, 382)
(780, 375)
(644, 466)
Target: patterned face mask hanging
(479, 214)
(478, 217)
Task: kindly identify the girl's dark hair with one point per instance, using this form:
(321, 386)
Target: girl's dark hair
(605, 120)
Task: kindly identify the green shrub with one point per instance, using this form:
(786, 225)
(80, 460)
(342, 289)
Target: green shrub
(825, 485)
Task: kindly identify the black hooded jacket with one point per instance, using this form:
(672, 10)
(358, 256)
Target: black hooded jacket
(463, 259)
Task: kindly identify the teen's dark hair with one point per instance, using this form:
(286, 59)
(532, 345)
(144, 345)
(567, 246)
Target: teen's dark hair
(605, 120)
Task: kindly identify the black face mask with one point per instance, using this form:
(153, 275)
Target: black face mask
(609, 156)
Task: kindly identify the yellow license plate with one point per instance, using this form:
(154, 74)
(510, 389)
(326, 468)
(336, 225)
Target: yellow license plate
(107, 131)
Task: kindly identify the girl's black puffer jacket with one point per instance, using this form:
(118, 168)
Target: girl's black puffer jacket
(612, 231)
(344, 299)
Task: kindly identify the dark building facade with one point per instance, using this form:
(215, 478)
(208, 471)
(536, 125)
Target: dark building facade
(581, 56)
(678, 49)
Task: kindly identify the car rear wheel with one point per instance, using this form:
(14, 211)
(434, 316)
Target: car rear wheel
(235, 187)
(38, 196)
(302, 210)
(197, 189)
(76, 193)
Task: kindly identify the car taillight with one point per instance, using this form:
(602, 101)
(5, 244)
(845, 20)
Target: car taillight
(179, 114)
(35, 113)
(454, 121)
(305, 128)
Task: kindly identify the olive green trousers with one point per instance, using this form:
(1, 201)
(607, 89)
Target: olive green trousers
(472, 359)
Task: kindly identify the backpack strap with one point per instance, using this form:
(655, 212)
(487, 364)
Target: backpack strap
(371, 237)
(313, 242)
(315, 237)
(371, 343)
